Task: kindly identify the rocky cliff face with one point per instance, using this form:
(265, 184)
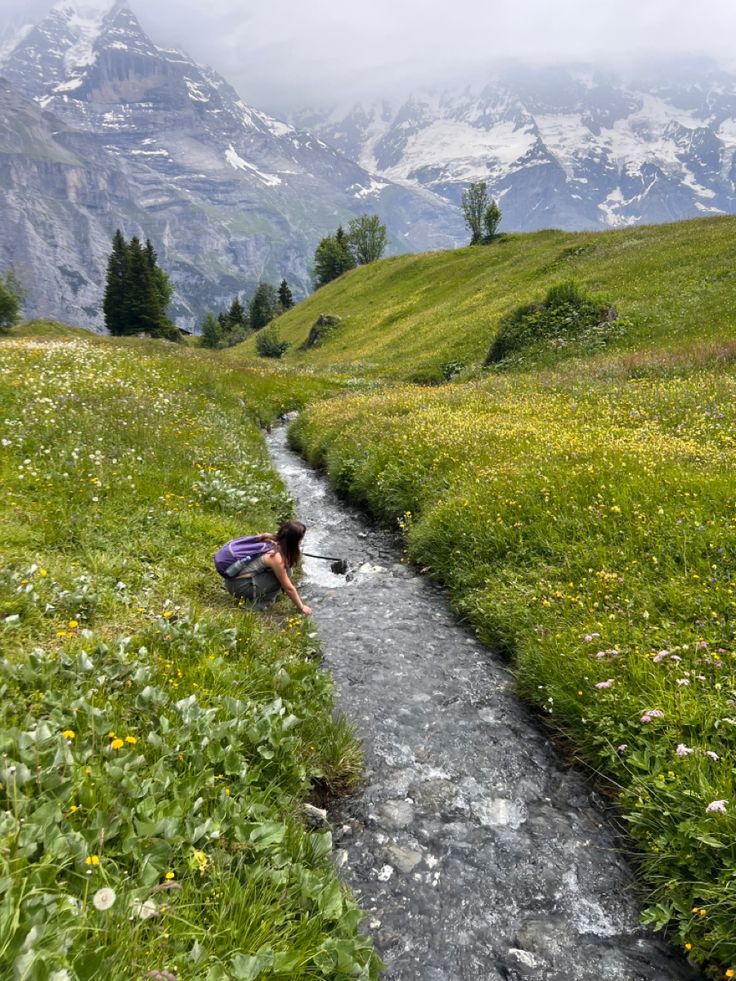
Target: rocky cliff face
(144, 139)
(571, 148)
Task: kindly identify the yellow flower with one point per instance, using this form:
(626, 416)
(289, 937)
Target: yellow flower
(169, 875)
(73, 624)
(167, 614)
(69, 734)
(688, 947)
(61, 633)
(92, 860)
(730, 972)
(131, 740)
(42, 572)
(111, 734)
(117, 744)
(702, 911)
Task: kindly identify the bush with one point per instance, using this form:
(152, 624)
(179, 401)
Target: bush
(269, 344)
(567, 311)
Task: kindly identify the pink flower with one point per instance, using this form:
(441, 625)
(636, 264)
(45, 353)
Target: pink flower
(683, 750)
(660, 656)
(590, 637)
(605, 684)
(676, 658)
(716, 807)
(652, 714)
(683, 681)
(713, 756)
(701, 645)
(623, 747)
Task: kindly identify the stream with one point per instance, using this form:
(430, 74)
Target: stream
(474, 851)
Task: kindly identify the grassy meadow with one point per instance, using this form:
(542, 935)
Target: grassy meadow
(157, 741)
(412, 316)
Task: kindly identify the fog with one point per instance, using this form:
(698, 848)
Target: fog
(284, 54)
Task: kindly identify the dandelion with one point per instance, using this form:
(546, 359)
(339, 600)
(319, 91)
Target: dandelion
(117, 744)
(69, 734)
(688, 947)
(730, 973)
(92, 860)
(683, 750)
(605, 684)
(716, 807)
(104, 898)
(169, 876)
(73, 624)
(131, 740)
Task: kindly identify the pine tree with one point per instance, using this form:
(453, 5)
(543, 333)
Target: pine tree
(115, 302)
(263, 306)
(237, 315)
(332, 257)
(12, 295)
(286, 298)
(144, 314)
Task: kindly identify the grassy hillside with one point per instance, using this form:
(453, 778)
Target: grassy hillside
(413, 314)
(157, 741)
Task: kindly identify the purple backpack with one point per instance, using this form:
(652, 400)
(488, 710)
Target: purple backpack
(233, 557)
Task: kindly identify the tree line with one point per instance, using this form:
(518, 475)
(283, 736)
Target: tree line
(226, 328)
(365, 241)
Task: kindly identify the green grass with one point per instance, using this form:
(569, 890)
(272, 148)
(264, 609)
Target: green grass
(157, 741)
(412, 314)
(585, 521)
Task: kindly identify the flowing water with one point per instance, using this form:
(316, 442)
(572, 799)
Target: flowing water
(474, 851)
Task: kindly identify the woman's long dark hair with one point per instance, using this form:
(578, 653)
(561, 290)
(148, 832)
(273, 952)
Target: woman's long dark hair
(289, 538)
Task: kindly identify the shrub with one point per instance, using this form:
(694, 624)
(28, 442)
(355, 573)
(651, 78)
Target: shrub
(269, 344)
(567, 311)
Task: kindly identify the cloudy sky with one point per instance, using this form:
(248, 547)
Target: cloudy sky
(284, 53)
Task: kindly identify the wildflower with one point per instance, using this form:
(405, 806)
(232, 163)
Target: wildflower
(712, 755)
(92, 860)
(117, 744)
(73, 624)
(131, 740)
(683, 750)
(169, 875)
(652, 714)
(623, 747)
(730, 973)
(688, 947)
(605, 684)
(144, 910)
(660, 656)
(716, 807)
(104, 898)
(69, 734)
(683, 681)
(42, 572)
(168, 614)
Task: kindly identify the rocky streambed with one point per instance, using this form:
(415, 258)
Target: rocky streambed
(476, 853)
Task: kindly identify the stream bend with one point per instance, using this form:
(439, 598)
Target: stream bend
(476, 854)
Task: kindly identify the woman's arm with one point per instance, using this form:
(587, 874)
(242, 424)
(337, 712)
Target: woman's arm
(275, 561)
(266, 537)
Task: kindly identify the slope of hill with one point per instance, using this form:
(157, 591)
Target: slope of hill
(410, 315)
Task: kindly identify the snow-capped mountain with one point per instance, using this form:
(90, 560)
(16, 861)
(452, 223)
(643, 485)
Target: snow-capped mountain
(228, 194)
(572, 148)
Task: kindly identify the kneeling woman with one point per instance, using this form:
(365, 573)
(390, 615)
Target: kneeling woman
(259, 567)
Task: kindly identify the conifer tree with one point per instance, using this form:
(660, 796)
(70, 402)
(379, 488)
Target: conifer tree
(263, 306)
(115, 302)
(143, 304)
(12, 295)
(286, 298)
(237, 315)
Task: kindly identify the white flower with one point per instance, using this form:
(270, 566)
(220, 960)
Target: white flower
(716, 807)
(144, 910)
(683, 750)
(104, 898)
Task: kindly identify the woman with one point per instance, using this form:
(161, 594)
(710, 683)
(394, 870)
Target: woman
(261, 577)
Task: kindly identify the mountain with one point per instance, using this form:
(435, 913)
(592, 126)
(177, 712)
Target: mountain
(228, 194)
(572, 148)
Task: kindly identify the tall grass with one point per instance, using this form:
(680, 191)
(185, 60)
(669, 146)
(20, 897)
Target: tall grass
(157, 742)
(585, 521)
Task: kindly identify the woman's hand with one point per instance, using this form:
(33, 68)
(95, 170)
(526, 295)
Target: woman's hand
(307, 611)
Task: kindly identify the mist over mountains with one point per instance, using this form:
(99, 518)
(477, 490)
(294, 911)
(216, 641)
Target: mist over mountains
(101, 128)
